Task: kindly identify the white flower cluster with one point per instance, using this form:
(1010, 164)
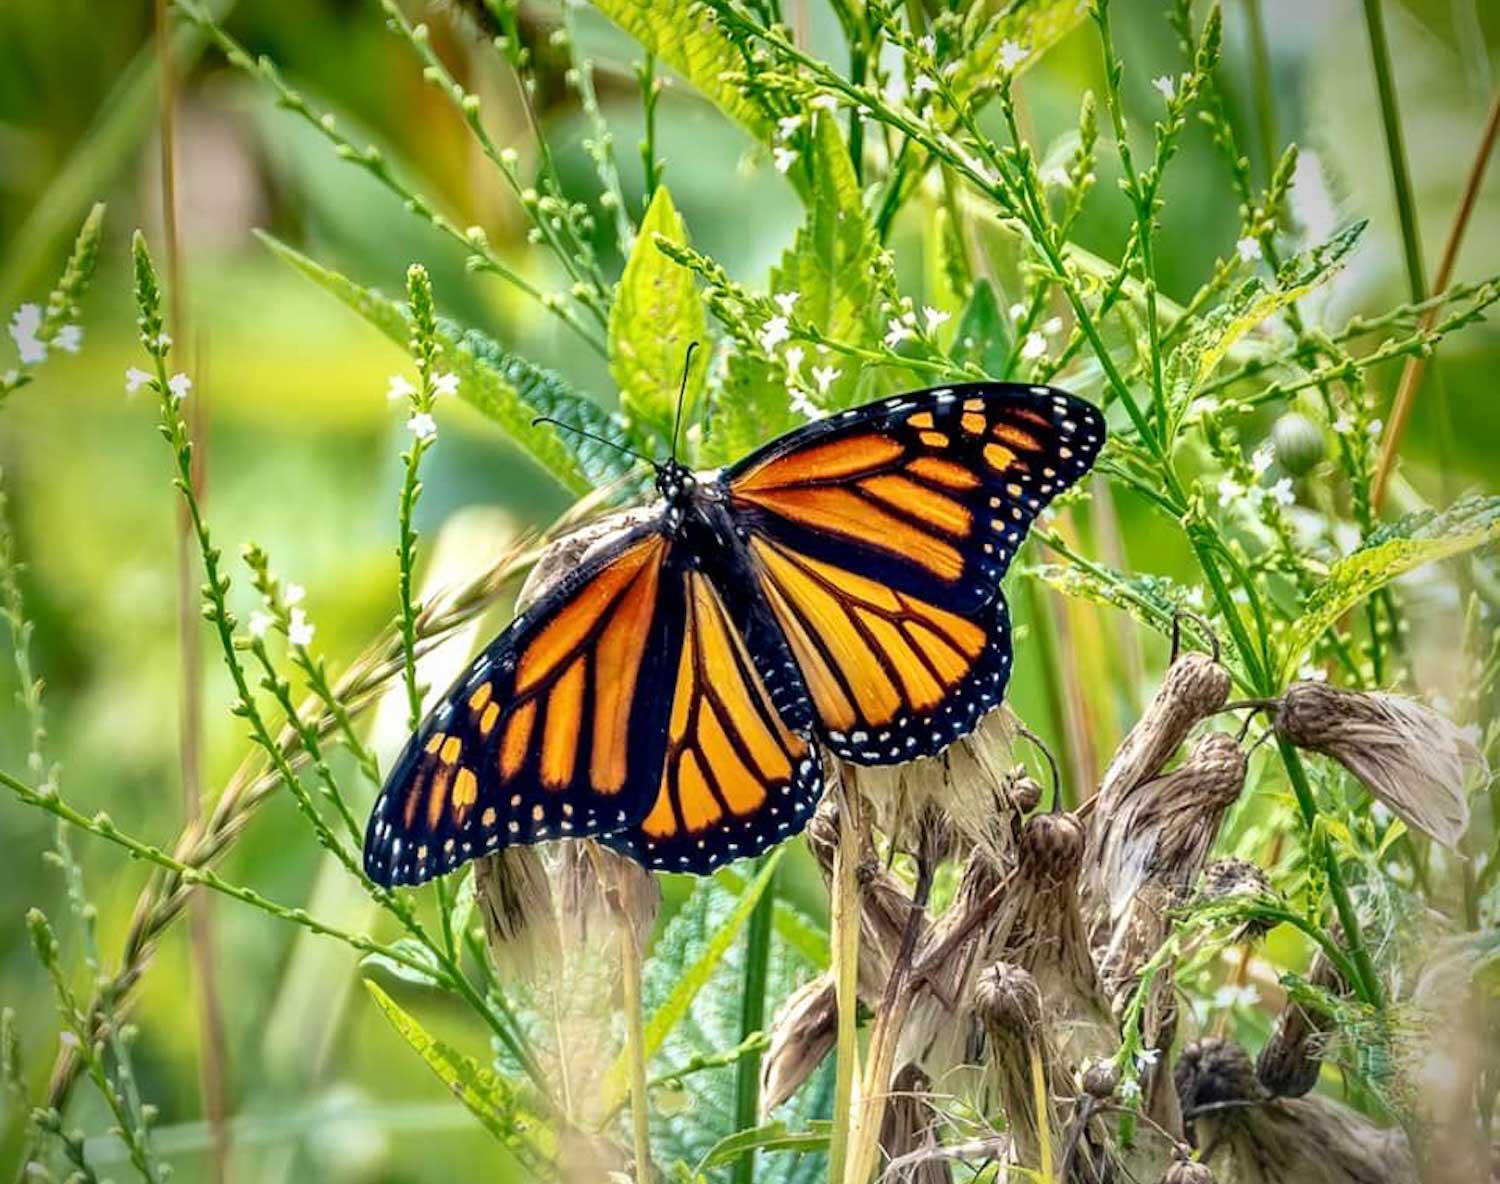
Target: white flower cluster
(775, 332)
(25, 330)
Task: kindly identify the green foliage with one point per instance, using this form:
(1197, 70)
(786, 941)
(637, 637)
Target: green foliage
(657, 314)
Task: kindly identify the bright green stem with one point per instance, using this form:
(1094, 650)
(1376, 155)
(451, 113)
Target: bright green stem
(1369, 980)
(752, 1020)
(1265, 100)
(1395, 144)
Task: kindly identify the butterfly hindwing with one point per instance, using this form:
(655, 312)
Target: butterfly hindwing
(558, 728)
(878, 538)
(736, 778)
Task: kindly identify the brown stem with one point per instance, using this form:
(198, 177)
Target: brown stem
(1416, 364)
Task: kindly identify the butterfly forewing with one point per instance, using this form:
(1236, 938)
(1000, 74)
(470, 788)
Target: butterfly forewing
(879, 537)
(736, 778)
(558, 728)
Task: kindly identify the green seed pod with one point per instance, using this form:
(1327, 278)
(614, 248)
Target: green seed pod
(1298, 442)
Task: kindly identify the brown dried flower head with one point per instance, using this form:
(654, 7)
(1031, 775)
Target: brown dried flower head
(1412, 759)
(1008, 1001)
(1232, 879)
(1052, 847)
(908, 1132)
(1187, 1171)
(514, 896)
(801, 1036)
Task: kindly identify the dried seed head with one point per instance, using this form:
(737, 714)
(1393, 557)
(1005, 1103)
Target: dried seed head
(600, 890)
(567, 551)
(1186, 1171)
(520, 924)
(1411, 758)
(1194, 687)
(1230, 879)
(1100, 1080)
(1291, 1060)
(801, 1035)
(1211, 1071)
(908, 1137)
(1025, 791)
(1008, 1001)
(1052, 847)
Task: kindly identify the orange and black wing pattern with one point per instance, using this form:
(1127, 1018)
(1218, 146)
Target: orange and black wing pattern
(878, 537)
(736, 778)
(559, 728)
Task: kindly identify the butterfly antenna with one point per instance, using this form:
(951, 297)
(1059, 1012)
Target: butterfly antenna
(588, 435)
(687, 368)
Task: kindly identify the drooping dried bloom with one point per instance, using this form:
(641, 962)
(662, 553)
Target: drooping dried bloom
(1144, 855)
(1411, 758)
(1187, 1171)
(1292, 1058)
(1238, 879)
(1262, 1140)
(802, 1034)
(908, 1133)
(1194, 687)
(514, 897)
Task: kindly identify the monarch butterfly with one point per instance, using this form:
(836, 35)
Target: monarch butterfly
(836, 590)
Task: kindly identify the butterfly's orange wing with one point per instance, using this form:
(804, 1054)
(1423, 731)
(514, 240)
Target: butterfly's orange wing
(878, 537)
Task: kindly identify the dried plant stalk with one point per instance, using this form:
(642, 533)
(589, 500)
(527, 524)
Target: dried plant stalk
(908, 1135)
(1292, 1057)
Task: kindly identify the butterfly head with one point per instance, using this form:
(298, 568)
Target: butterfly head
(675, 482)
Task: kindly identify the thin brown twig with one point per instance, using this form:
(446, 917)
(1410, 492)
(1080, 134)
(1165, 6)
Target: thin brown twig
(1416, 364)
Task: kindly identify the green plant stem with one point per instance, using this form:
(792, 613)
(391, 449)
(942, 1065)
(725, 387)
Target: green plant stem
(1265, 97)
(1395, 144)
(753, 1020)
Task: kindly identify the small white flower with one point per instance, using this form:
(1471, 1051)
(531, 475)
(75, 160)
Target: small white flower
(1307, 672)
(802, 405)
(926, 44)
(825, 376)
(1343, 425)
(1229, 490)
(783, 159)
(300, 630)
(23, 331)
(69, 338)
(923, 85)
(1261, 460)
(1146, 1058)
(825, 102)
(786, 301)
(509, 157)
(935, 317)
(1195, 597)
(135, 379)
(400, 388)
(897, 332)
(1052, 326)
(1376, 427)
(260, 621)
(794, 356)
(179, 385)
(1283, 493)
(68, 1039)
(445, 384)
(1012, 54)
(773, 333)
(422, 426)
(1249, 249)
(787, 126)
(1229, 995)
(1034, 346)
(163, 341)
(1017, 311)
(293, 594)
(1130, 1091)
(1165, 87)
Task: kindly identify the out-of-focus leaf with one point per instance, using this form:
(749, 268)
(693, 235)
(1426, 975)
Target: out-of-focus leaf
(791, 925)
(983, 335)
(1392, 551)
(404, 971)
(508, 389)
(657, 312)
(773, 1136)
(1037, 27)
(1150, 599)
(686, 38)
(488, 1096)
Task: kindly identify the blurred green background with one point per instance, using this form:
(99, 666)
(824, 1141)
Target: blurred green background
(302, 451)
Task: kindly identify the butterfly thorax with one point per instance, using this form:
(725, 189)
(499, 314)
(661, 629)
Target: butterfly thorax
(681, 490)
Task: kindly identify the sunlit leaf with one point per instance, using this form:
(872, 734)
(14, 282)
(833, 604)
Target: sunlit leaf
(1391, 552)
(773, 1136)
(1152, 600)
(403, 970)
(656, 314)
(488, 1096)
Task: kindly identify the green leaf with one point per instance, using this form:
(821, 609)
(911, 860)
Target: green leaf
(1392, 551)
(695, 977)
(404, 971)
(1037, 26)
(983, 335)
(656, 314)
(838, 273)
(508, 389)
(773, 1136)
(687, 39)
(486, 1095)
(1152, 600)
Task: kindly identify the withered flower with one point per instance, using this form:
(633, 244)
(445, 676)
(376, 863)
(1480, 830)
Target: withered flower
(1292, 1058)
(908, 1133)
(514, 897)
(802, 1034)
(1412, 759)
(1187, 1171)
(1238, 879)
(1264, 1140)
